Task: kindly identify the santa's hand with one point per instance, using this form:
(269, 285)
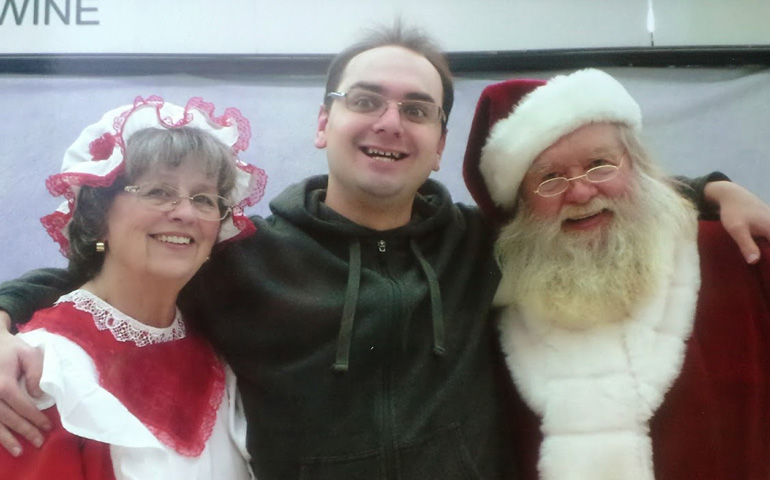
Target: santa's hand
(743, 215)
(18, 412)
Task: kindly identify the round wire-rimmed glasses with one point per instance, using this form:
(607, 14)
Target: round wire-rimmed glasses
(559, 185)
(165, 198)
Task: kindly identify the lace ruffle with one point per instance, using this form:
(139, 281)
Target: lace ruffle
(123, 327)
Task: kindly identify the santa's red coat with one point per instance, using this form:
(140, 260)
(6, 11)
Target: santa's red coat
(714, 423)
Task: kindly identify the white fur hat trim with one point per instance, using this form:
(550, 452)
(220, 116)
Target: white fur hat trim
(548, 113)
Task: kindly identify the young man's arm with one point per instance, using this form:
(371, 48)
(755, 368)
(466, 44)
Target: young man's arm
(34, 290)
(19, 299)
(17, 411)
(742, 213)
(695, 190)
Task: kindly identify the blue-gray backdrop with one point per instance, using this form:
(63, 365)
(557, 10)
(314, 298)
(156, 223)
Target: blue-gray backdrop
(696, 120)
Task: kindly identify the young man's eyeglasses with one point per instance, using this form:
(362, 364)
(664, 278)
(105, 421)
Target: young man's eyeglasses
(559, 185)
(370, 103)
(164, 198)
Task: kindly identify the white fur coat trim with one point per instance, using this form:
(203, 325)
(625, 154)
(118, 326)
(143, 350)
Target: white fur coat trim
(595, 390)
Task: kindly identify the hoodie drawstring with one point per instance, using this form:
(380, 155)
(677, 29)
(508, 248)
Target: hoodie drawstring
(342, 360)
(349, 309)
(437, 315)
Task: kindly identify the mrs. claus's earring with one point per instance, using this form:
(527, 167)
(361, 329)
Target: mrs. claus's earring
(100, 247)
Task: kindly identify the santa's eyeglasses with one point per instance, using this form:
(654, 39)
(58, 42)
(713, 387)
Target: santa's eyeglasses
(559, 185)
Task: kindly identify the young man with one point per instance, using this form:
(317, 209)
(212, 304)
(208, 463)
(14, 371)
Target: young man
(356, 319)
(638, 339)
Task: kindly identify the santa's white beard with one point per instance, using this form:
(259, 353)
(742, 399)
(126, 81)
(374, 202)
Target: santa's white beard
(580, 279)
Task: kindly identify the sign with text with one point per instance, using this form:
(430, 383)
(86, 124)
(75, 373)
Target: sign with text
(247, 27)
(126, 26)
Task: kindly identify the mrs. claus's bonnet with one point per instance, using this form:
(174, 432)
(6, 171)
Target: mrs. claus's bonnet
(96, 158)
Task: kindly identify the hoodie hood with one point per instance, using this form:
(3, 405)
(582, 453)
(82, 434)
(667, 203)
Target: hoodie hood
(303, 205)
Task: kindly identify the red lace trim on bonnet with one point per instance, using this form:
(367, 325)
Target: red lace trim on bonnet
(244, 127)
(256, 190)
(55, 224)
(258, 179)
(174, 388)
(103, 148)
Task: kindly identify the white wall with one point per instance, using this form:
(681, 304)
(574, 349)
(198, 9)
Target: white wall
(312, 26)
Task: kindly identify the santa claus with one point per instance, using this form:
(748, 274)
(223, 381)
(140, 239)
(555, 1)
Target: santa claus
(636, 336)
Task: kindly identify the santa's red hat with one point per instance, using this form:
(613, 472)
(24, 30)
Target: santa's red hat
(517, 120)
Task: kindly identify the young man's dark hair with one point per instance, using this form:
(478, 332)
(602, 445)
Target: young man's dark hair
(400, 36)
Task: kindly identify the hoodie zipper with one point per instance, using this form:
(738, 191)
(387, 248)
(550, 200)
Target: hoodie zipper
(388, 437)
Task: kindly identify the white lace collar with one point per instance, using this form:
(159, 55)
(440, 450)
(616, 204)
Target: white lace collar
(123, 327)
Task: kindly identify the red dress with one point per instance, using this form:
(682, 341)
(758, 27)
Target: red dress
(64, 456)
(128, 401)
